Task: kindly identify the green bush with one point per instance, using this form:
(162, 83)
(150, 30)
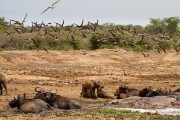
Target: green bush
(118, 37)
(75, 44)
(139, 49)
(131, 43)
(95, 42)
(108, 35)
(64, 45)
(3, 23)
(164, 45)
(145, 44)
(176, 46)
(53, 44)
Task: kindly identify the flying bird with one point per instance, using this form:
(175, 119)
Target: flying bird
(24, 18)
(50, 7)
(145, 55)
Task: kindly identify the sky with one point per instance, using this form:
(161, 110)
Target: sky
(123, 12)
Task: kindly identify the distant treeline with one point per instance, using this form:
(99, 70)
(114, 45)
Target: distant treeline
(159, 35)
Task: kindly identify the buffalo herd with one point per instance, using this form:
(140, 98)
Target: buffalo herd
(44, 100)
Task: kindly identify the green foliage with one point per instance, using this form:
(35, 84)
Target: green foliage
(145, 43)
(118, 37)
(64, 45)
(53, 44)
(166, 25)
(164, 45)
(109, 25)
(131, 43)
(156, 26)
(114, 111)
(75, 44)
(44, 42)
(3, 23)
(95, 42)
(176, 46)
(107, 35)
(172, 24)
(124, 113)
(139, 49)
(138, 28)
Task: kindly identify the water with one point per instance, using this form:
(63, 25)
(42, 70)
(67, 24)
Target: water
(165, 111)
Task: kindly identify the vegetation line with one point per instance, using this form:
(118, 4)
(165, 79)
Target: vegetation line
(159, 35)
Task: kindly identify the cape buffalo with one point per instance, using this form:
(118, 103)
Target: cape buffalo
(102, 94)
(128, 92)
(29, 105)
(57, 101)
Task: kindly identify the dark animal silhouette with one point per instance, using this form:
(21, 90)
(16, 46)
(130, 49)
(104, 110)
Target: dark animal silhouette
(160, 91)
(128, 91)
(89, 87)
(3, 83)
(147, 92)
(29, 105)
(177, 90)
(57, 101)
(102, 94)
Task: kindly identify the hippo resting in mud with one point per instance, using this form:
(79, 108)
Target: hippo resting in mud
(157, 101)
(149, 102)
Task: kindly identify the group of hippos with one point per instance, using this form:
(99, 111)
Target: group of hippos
(90, 89)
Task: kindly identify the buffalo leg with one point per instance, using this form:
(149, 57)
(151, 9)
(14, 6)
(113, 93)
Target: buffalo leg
(1, 88)
(5, 87)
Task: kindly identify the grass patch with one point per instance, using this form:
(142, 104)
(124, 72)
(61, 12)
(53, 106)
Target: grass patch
(126, 113)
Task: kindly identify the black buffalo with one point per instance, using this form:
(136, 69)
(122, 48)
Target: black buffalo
(126, 92)
(57, 101)
(29, 105)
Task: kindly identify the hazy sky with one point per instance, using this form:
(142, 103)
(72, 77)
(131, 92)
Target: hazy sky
(73, 11)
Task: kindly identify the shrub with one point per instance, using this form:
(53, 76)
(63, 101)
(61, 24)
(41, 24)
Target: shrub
(75, 44)
(95, 42)
(145, 43)
(139, 49)
(176, 46)
(3, 23)
(131, 43)
(164, 45)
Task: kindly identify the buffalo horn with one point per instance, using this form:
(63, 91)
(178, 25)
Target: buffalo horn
(36, 89)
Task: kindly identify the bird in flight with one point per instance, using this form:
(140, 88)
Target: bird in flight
(50, 7)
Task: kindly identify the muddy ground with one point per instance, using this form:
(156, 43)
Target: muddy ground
(64, 71)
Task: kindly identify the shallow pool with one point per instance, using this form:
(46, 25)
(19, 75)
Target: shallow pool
(165, 111)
